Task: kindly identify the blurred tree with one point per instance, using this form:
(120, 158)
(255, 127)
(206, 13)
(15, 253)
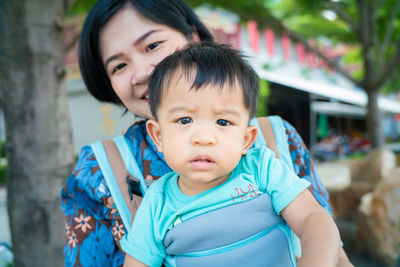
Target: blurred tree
(371, 26)
(38, 132)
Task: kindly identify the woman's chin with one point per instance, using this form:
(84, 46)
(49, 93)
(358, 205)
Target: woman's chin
(142, 110)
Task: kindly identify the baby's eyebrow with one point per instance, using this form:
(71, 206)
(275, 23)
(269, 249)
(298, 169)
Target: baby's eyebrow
(230, 111)
(178, 109)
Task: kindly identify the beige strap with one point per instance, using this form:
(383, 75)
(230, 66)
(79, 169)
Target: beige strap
(120, 173)
(268, 134)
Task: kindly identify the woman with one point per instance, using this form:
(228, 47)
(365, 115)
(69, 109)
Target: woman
(121, 42)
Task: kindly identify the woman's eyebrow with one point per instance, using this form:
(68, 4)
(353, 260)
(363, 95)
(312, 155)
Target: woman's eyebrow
(135, 43)
(143, 37)
(111, 58)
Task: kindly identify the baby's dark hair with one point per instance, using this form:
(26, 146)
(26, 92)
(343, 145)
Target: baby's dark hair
(213, 64)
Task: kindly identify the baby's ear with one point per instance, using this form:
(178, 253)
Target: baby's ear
(249, 138)
(153, 129)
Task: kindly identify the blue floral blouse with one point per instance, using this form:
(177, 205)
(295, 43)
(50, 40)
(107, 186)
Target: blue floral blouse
(93, 225)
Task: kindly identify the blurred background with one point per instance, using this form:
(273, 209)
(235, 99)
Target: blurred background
(330, 68)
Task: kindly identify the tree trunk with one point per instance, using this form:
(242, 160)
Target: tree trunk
(374, 119)
(39, 143)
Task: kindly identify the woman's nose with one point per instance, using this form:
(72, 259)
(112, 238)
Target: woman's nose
(143, 67)
(141, 73)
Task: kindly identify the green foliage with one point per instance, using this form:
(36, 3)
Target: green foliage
(306, 72)
(262, 109)
(352, 58)
(393, 85)
(255, 9)
(383, 22)
(290, 8)
(267, 66)
(3, 163)
(306, 17)
(309, 19)
(355, 157)
(310, 26)
(3, 175)
(80, 7)
(3, 152)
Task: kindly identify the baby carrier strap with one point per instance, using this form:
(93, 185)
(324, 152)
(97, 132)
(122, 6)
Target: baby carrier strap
(123, 177)
(272, 133)
(267, 134)
(281, 139)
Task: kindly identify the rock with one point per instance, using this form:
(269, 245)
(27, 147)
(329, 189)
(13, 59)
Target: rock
(345, 201)
(344, 195)
(334, 175)
(379, 221)
(376, 165)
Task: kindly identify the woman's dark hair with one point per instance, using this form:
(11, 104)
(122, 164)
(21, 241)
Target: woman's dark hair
(172, 13)
(205, 64)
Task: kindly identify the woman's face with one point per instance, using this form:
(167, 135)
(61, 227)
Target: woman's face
(131, 46)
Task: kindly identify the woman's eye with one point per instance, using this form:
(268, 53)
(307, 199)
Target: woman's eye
(153, 46)
(223, 122)
(185, 120)
(119, 67)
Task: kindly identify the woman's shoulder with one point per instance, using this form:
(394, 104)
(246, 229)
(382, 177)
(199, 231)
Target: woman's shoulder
(136, 131)
(289, 128)
(87, 177)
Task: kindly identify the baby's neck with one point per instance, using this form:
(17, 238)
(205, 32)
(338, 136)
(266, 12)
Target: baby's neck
(192, 188)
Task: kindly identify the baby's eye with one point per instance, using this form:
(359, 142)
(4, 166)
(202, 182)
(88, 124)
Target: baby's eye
(119, 67)
(185, 120)
(223, 122)
(153, 46)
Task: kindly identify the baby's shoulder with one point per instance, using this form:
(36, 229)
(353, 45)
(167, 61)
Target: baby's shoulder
(256, 154)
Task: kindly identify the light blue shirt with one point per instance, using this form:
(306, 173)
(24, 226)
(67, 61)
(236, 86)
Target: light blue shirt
(165, 206)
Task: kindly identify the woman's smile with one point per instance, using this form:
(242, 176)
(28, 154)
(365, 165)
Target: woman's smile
(130, 54)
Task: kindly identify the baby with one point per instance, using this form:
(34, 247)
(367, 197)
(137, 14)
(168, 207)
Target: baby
(226, 203)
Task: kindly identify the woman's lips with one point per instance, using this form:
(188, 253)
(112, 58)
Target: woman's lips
(145, 98)
(145, 95)
(202, 163)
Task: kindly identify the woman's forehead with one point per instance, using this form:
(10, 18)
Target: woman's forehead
(124, 29)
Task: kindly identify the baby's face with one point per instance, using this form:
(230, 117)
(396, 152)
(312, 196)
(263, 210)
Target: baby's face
(203, 133)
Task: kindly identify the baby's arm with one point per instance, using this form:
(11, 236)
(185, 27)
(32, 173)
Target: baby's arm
(140, 244)
(132, 262)
(319, 236)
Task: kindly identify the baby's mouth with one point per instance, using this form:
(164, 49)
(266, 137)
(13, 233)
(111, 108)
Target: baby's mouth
(202, 162)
